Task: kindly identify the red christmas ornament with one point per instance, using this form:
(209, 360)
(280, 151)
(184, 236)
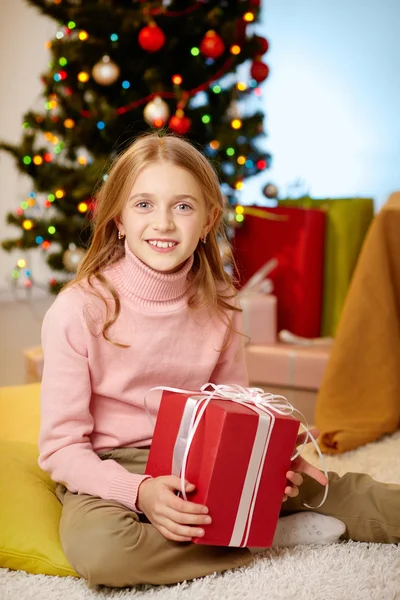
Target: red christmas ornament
(151, 38)
(259, 70)
(179, 123)
(212, 46)
(263, 45)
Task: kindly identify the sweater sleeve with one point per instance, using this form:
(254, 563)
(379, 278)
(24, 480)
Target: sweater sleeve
(231, 367)
(66, 452)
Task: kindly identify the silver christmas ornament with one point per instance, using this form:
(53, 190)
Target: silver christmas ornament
(156, 112)
(106, 71)
(270, 191)
(72, 257)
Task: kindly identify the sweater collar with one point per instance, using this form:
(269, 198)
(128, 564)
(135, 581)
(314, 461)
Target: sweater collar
(147, 285)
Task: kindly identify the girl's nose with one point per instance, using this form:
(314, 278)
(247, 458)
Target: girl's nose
(163, 222)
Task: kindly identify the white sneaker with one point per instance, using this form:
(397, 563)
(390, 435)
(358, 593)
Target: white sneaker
(307, 528)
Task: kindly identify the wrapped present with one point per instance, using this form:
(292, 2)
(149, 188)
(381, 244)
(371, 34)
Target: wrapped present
(259, 318)
(296, 238)
(196, 437)
(347, 223)
(33, 358)
(259, 307)
(288, 365)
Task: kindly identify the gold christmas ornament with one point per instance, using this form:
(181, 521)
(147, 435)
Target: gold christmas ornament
(156, 112)
(106, 71)
(72, 257)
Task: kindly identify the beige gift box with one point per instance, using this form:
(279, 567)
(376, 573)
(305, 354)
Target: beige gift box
(289, 370)
(33, 358)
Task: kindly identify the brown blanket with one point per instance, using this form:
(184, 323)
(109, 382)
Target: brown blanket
(359, 399)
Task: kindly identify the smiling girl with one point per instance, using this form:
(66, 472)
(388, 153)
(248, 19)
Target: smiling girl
(151, 305)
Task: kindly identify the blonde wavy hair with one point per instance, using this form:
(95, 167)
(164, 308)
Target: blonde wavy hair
(212, 285)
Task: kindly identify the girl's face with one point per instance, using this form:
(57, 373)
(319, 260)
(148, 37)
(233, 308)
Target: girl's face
(165, 216)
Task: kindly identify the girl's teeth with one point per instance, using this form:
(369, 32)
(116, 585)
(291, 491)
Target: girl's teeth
(162, 244)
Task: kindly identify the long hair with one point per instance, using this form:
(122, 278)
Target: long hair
(212, 285)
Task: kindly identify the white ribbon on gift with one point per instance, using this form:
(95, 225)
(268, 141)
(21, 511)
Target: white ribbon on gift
(260, 402)
(287, 337)
(258, 283)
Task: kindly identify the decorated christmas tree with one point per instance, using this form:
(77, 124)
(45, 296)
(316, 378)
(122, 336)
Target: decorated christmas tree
(122, 67)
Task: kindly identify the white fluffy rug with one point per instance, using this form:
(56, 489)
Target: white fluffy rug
(342, 571)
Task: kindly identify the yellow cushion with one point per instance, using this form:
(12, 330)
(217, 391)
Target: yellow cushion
(20, 412)
(29, 509)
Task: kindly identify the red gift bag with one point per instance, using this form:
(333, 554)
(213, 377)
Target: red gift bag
(297, 241)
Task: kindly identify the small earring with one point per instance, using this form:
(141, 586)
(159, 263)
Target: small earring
(120, 235)
(204, 238)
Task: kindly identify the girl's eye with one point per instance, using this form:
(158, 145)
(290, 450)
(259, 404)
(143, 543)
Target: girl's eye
(142, 204)
(184, 207)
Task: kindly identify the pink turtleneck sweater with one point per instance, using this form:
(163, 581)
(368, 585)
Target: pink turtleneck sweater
(92, 391)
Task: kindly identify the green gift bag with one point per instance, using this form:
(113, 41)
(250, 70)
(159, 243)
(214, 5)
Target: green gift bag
(348, 220)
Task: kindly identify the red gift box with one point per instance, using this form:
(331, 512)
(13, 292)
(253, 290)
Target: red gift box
(297, 241)
(238, 460)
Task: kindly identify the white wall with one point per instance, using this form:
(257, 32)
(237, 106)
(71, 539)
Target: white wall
(331, 100)
(23, 57)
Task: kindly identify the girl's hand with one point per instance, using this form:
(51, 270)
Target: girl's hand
(300, 465)
(176, 519)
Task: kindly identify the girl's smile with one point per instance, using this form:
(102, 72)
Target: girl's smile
(162, 245)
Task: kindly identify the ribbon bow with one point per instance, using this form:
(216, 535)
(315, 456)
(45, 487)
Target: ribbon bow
(253, 398)
(259, 283)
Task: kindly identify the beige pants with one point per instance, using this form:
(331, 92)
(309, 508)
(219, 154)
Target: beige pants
(108, 544)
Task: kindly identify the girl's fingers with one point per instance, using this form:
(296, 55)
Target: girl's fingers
(185, 506)
(303, 466)
(171, 536)
(181, 531)
(292, 491)
(294, 477)
(186, 518)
